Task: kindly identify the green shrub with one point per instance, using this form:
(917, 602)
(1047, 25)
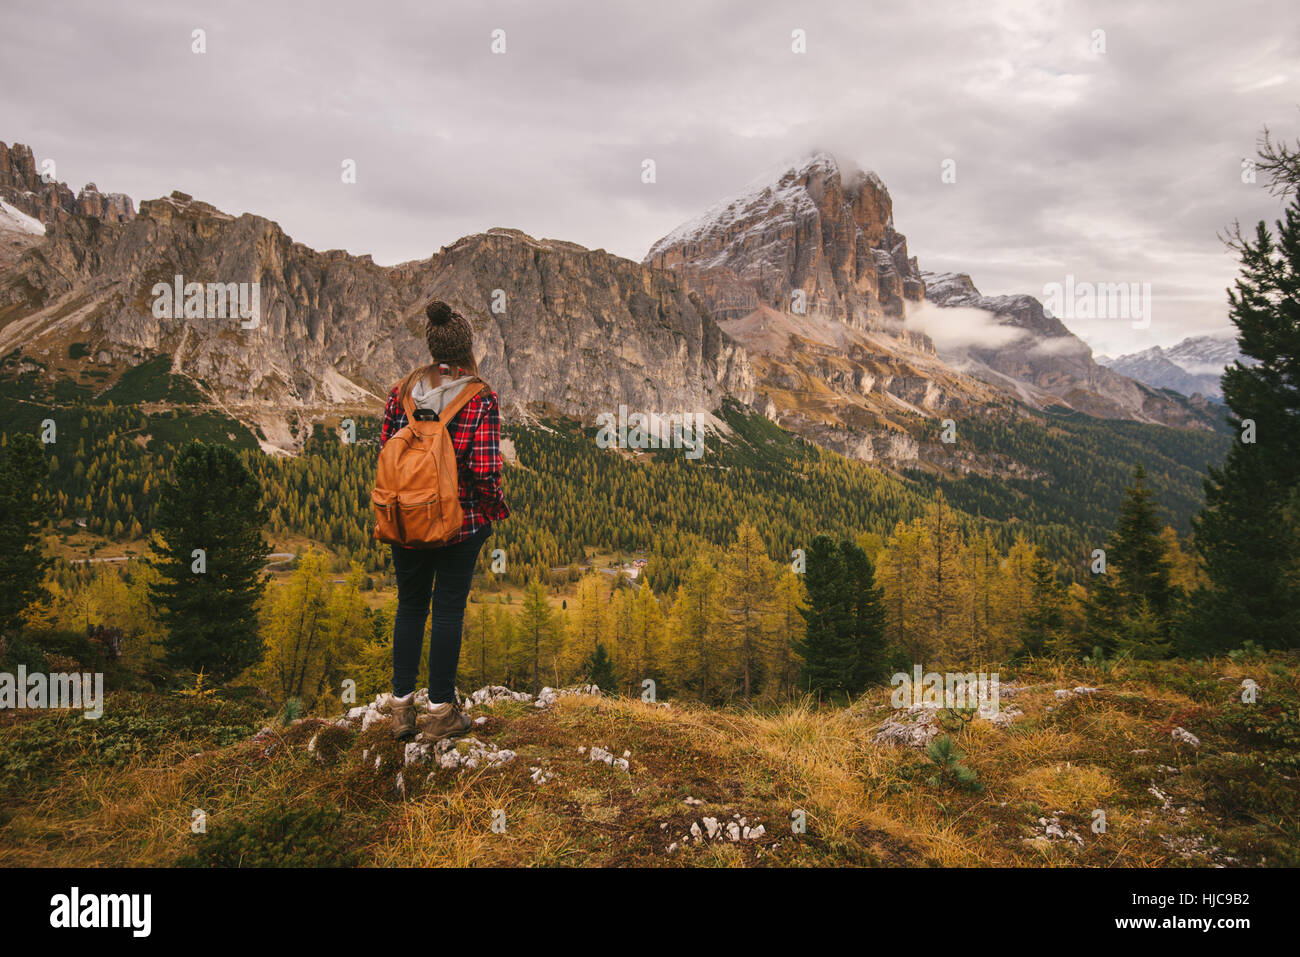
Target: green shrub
(36, 749)
(310, 835)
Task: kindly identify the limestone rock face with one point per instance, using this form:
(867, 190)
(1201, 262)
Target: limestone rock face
(815, 228)
(22, 187)
(557, 326)
(584, 330)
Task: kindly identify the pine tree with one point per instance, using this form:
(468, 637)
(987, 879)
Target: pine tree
(506, 632)
(598, 669)
(941, 581)
(209, 552)
(867, 616)
(899, 572)
(1143, 635)
(1043, 621)
(22, 508)
(1137, 580)
(645, 657)
(1250, 547)
(1140, 550)
(828, 650)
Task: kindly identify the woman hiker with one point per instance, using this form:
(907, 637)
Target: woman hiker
(443, 574)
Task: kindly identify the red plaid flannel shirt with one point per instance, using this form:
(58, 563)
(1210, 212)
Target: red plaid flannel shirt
(475, 433)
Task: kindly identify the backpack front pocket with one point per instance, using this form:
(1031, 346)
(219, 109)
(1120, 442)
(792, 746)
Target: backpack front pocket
(420, 516)
(388, 521)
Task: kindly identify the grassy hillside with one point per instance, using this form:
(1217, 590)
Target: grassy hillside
(123, 791)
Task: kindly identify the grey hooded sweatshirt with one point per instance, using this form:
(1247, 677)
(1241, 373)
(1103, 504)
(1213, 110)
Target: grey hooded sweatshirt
(435, 398)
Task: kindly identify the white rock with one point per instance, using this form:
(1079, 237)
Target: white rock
(1186, 737)
(912, 726)
(417, 752)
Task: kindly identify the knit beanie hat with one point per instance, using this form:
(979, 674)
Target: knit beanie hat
(450, 338)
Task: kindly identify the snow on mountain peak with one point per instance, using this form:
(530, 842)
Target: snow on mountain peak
(784, 186)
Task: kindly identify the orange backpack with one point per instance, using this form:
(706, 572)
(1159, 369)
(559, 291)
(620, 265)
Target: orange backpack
(417, 493)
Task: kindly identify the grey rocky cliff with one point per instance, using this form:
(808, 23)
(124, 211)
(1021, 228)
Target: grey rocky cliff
(581, 331)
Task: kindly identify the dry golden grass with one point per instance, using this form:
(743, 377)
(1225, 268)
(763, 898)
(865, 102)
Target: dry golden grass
(865, 804)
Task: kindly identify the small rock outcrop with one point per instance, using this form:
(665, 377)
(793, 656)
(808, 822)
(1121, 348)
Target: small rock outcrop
(22, 185)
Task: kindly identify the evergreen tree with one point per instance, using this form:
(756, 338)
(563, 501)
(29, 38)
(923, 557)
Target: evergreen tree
(1143, 635)
(598, 669)
(22, 506)
(209, 552)
(1137, 584)
(867, 618)
(1041, 628)
(1140, 549)
(1103, 616)
(1250, 547)
(828, 650)
(645, 654)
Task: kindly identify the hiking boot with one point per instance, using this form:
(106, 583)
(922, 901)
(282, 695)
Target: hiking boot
(444, 721)
(403, 717)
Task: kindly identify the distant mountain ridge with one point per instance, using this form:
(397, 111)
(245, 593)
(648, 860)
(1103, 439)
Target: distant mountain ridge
(1193, 366)
(1039, 353)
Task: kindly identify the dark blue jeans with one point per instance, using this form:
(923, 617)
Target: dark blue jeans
(443, 575)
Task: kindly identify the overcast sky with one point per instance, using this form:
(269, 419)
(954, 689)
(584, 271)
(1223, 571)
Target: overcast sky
(1119, 166)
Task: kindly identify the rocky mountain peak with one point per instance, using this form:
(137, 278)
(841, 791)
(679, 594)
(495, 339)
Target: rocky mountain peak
(22, 187)
(815, 237)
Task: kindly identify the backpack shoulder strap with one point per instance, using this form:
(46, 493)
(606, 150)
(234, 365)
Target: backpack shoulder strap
(407, 403)
(471, 389)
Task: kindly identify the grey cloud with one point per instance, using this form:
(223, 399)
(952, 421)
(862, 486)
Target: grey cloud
(1119, 167)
